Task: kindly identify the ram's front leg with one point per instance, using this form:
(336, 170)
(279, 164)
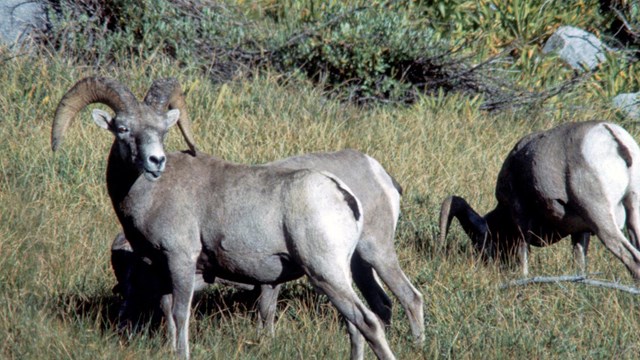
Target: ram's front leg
(182, 267)
(166, 304)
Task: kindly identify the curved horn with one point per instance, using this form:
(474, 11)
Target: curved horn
(474, 225)
(167, 93)
(88, 91)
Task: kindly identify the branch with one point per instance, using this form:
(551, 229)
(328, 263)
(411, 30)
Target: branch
(612, 285)
(571, 278)
(524, 98)
(630, 28)
(542, 279)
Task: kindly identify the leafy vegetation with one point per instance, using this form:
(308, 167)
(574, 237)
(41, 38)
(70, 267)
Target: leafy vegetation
(359, 51)
(253, 98)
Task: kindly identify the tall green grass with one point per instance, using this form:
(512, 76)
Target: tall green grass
(56, 225)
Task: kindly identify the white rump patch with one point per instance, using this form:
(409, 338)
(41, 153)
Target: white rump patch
(601, 153)
(385, 181)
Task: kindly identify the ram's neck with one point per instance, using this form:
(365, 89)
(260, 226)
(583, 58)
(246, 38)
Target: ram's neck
(502, 231)
(120, 177)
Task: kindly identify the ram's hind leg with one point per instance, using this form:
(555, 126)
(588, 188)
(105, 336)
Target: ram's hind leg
(615, 241)
(632, 208)
(371, 289)
(351, 307)
(333, 279)
(411, 299)
(606, 228)
(322, 240)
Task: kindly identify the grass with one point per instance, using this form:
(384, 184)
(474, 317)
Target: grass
(56, 225)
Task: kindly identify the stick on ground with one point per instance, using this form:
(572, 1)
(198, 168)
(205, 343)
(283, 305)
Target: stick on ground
(571, 278)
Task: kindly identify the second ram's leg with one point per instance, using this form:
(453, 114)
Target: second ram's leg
(371, 289)
(618, 244)
(604, 221)
(523, 257)
(604, 216)
(267, 307)
(632, 207)
(580, 243)
(388, 268)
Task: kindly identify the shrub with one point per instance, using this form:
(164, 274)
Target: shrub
(191, 32)
(374, 52)
(360, 51)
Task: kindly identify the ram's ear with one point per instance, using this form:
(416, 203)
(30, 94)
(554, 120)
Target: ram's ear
(102, 118)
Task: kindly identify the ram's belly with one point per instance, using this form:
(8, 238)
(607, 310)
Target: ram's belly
(554, 221)
(248, 259)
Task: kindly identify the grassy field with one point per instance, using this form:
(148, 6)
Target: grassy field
(56, 225)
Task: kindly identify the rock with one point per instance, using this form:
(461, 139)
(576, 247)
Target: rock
(18, 18)
(629, 104)
(578, 48)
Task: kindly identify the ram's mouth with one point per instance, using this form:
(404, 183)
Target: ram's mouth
(152, 175)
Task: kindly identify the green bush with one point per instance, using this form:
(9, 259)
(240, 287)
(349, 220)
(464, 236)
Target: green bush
(360, 51)
(191, 32)
(372, 52)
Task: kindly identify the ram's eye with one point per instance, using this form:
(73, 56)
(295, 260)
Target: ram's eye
(122, 129)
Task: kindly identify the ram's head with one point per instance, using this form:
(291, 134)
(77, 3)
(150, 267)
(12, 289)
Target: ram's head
(139, 127)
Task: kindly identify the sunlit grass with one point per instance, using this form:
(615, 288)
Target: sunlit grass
(57, 225)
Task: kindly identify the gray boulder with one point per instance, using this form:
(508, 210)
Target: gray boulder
(576, 47)
(18, 19)
(628, 104)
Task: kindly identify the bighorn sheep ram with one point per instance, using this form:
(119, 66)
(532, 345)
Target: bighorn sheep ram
(576, 179)
(379, 195)
(189, 212)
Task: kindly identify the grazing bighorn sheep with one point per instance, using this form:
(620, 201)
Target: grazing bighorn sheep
(576, 179)
(379, 195)
(191, 212)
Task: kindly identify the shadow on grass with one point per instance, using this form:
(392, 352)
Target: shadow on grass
(103, 310)
(216, 302)
(220, 301)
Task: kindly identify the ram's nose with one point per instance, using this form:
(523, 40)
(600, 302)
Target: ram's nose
(158, 161)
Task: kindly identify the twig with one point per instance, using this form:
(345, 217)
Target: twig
(612, 285)
(571, 278)
(542, 279)
(630, 28)
(524, 98)
(11, 57)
